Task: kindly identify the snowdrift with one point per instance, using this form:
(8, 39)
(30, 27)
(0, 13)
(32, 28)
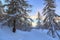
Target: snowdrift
(35, 34)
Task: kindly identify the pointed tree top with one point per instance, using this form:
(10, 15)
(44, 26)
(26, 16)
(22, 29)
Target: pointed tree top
(38, 16)
(38, 12)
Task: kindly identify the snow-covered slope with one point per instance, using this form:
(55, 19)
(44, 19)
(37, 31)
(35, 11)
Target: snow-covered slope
(7, 34)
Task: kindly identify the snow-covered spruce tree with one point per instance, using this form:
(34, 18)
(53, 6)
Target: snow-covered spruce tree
(49, 11)
(1, 11)
(17, 9)
(38, 21)
(0, 7)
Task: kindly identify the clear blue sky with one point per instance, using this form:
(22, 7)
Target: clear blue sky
(38, 6)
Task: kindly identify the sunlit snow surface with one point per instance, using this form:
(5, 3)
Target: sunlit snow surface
(35, 34)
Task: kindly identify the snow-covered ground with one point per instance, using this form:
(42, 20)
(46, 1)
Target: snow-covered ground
(7, 34)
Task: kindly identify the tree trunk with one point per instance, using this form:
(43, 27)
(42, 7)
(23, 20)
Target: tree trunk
(14, 28)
